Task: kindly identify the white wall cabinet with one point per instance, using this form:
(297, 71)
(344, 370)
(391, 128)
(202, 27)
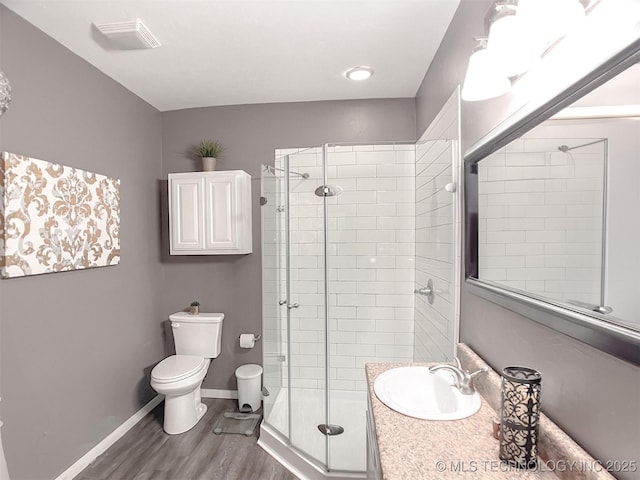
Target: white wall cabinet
(210, 213)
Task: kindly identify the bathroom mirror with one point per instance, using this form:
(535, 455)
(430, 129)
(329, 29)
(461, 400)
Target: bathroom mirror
(552, 207)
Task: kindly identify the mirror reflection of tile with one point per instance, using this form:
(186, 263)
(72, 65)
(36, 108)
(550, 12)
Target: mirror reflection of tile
(541, 218)
(56, 218)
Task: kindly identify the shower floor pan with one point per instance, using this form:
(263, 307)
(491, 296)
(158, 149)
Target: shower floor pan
(347, 451)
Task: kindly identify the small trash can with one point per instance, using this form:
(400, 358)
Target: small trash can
(249, 378)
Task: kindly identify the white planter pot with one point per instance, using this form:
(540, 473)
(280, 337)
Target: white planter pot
(208, 164)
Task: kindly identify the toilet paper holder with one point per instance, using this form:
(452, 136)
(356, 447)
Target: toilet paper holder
(255, 337)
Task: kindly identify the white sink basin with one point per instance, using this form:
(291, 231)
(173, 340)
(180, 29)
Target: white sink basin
(416, 392)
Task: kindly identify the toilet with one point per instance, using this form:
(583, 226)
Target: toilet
(197, 339)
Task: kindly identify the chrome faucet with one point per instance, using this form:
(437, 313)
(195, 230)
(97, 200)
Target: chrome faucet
(463, 379)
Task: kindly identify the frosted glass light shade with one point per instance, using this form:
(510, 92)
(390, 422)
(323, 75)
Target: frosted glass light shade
(548, 20)
(512, 46)
(484, 79)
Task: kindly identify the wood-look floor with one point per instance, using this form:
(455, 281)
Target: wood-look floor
(147, 453)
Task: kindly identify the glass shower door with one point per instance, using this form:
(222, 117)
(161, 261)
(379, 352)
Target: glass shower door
(306, 302)
(274, 322)
(293, 301)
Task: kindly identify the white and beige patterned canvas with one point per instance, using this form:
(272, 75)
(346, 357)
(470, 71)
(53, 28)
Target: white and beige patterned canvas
(55, 218)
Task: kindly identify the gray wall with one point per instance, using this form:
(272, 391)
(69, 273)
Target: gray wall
(77, 346)
(250, 134)
(591, 395)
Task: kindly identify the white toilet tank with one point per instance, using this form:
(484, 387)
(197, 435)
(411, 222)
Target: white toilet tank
(199, 335)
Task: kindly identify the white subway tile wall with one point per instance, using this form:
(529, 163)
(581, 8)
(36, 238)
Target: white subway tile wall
(437, 228)
(370, 259)
(541, 218)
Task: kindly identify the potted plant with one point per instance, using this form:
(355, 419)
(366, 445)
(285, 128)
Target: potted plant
(194, 308)
(209, 151)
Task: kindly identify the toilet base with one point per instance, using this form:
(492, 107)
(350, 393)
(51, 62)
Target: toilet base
(182, 413)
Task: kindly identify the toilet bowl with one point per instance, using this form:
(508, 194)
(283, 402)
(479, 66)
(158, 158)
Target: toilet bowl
(178, 378)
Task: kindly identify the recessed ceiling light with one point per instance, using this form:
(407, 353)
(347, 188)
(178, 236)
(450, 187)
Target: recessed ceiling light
(359, 73)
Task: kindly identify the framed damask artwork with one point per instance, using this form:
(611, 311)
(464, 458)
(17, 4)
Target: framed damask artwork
(55, 218)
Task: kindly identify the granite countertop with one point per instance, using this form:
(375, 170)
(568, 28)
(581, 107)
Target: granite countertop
(414, 449)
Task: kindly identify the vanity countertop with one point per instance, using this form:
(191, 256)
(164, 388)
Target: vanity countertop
(414, 449)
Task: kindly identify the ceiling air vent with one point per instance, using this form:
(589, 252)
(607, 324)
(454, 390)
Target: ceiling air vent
(128, 35)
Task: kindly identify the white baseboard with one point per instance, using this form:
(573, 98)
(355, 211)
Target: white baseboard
(114, 436)
(215, 393)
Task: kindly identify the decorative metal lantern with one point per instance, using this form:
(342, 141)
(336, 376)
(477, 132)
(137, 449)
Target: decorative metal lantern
(520, 414)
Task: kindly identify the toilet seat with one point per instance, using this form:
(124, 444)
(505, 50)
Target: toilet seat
(177, 367)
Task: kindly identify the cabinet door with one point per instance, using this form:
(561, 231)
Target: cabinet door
(186, 223)
(221, 212)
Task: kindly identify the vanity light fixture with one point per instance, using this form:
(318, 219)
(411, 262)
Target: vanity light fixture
(513, 46)
(484, 78)
(359, 73)
(519, 34)
(549, 20)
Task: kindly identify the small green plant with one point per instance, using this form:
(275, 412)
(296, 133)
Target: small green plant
(208, 148)
(195, 308)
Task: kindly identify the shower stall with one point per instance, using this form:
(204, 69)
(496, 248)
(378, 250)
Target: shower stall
(338, 230)
(351, 236)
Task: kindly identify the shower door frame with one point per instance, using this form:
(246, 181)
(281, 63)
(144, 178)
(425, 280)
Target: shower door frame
(286, 437)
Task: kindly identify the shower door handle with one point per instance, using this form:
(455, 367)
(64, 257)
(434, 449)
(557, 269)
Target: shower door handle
(289, 306)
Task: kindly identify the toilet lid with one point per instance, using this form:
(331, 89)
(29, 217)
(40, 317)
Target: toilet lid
(177, 367)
